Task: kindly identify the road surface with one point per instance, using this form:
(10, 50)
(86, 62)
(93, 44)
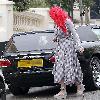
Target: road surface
(46, 93)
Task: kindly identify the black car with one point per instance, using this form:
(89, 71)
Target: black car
(90, 59)
(2, 88)
(29, 58)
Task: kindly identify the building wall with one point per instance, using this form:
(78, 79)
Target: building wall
(48, 23)
(6, 20)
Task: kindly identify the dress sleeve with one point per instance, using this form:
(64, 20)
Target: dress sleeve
(58, 33)
(71, 28)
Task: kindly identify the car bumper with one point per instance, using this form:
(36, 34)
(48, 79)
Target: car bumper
(40, 78)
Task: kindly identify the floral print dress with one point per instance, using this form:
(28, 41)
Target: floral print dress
(67, 65)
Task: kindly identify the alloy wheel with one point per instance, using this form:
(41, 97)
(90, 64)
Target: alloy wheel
(95, 65)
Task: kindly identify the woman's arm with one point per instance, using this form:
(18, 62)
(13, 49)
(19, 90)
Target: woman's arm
(71, 27)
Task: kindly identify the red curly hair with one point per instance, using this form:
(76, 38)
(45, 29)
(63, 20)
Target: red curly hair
(59, 16)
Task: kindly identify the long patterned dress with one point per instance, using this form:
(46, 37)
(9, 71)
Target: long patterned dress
(67, 65)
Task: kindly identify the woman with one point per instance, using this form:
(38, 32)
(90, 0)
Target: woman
(66, 70)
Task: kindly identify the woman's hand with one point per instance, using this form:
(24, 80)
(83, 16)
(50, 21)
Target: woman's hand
(55, 39)
(81, 50)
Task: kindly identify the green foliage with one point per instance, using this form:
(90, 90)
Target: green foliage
(65, 4)
(88, 3)
(38, 3)
(21, 5)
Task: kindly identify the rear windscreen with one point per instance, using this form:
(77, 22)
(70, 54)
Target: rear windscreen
(29, 42)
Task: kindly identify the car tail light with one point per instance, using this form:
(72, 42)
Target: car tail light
(52, 59)
(4, 63)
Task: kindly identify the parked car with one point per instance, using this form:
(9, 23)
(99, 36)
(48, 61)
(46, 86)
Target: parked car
(29, 58)
(2, 87)
(90, 59)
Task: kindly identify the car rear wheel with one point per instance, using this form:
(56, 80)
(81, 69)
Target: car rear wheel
(16, 90)
(2, 91)
(95, 66)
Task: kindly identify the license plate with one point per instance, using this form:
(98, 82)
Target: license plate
(30, 63)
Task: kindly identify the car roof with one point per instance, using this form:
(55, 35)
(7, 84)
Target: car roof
(33, 32)
(86, 34)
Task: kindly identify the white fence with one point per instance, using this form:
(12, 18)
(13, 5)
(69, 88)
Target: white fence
(27, 21)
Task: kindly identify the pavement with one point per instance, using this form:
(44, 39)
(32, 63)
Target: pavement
(94, 95)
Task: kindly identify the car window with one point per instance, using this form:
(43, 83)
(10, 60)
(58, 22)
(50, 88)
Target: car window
(97, 32)
(86, 34)
(31, 42)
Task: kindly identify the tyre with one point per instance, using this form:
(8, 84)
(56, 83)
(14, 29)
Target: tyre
(2, 91)
(3, 96)
(95, 69)
(16, 90)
